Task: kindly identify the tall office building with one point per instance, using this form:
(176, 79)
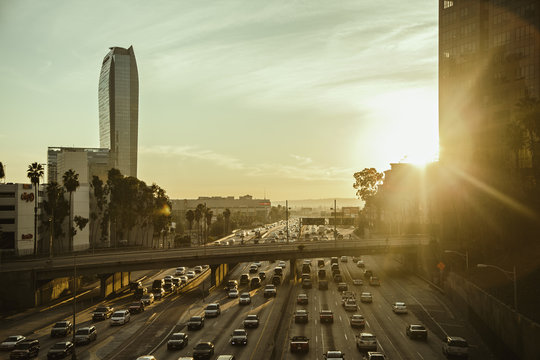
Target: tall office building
(119, 108)
(489, 60)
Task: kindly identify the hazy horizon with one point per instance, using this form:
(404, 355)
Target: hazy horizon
(237, 97)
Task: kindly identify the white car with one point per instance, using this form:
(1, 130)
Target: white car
(233, 294)
(366, 297)
(357, 282)
(399, 308)
(455, 346)
(190, 274)
(120, 317)
(245, 299)
(168, 278)
(212, 310)
(366, 341)
(180, 271)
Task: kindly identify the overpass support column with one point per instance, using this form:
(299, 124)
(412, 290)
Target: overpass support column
(113, 283)
(293, 275)
(218, 273)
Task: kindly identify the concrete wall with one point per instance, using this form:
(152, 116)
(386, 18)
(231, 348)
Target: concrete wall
(113, 283)
(518, 333)
(52, 290)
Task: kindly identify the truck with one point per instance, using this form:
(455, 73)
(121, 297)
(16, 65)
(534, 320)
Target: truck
(299, 344)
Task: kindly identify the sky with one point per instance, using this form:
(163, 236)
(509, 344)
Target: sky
(276, 99)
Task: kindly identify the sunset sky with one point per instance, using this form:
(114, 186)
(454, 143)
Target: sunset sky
(283, 98)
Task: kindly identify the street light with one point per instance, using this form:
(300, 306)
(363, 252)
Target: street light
(509, 274)
(465, 255)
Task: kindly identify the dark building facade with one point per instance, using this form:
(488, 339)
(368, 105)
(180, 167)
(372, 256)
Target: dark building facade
(119, 108)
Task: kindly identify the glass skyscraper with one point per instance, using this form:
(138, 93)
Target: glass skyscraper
(119, 108)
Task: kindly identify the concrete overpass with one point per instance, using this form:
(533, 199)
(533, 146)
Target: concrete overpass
(111, 267)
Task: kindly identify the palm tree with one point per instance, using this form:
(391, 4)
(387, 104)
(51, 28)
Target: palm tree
(2, 172)
(199, 213)
(34, 173)
(71, 183)
(208, 214)
(227, 216)
(190, 216)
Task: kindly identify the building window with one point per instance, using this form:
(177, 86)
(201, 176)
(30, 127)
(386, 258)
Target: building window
(7, 221)
(7, 240)
(447, 4)
(7, 194)
(7, 207)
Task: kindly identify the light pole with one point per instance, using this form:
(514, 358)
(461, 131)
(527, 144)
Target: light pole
(74, 354)
(509, 274)
(51, 224)
(465, 255)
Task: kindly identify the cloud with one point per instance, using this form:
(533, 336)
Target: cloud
(303, 160)
(190, 152)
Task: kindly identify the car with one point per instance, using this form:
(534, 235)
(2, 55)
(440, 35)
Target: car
(251, 321)
(233, 294)
(222, 357)
(321, 273)
(203, 350)
(299, 344)
(375, 355)
(62, 328)
(169, 287)
(368, 274)
(198, 269)
(136, 307)
(270, 290)
(181, 270)
(262, 275)
(253, 269)
(10, 342)
(245, 299)
(176, 281)
(239, 337)
(212, 310)
(326, 316)
(195, 323)
(374, 281)
(183, 279)
(366, 341)
(350, 305)
(120, 317)
(231, 284)
(342, 286)
(147, 299)
(455, 346)
(147, 357)
(258, 263)
(278, 270)
(334, 354)
(276, 280)
(282, 264)
(399, 308)
(307, 284)
(134, 285)
(344, 259)
(244, 279)
(190, 274)
(414, 331)
(25, 349)
(177, 341)
(323, 285)
(85, 335)
(302, 299)
(360, 264)
(366, 297)
(300, 316)
(61, 350)
(358, 282)
(102, 313)
(255, 283)
(158, 293)
(320, 262)
(338, 278)
(157, 284)
(357, 321)
(140, 292)
(346, 295)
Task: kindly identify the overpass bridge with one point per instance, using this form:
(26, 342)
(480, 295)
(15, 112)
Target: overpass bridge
(29, 274)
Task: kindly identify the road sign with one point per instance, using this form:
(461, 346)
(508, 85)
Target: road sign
(441, 266)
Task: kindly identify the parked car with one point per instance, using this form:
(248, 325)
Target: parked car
(62, 328)
(366, 341)
(25, 349)
(368, 274)
(102, 313)
(455, 346)
(10, 342)
(85, 335)
(60, 350)
(136, 307)
(251, 321)
(299, 344)
(177, 341)
(147, 299)
(414, 331)
(203, 350)
(239, 337)
(198, 269)
(120, 317)
(195, 323)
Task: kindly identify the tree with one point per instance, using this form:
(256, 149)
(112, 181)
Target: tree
(71, 183)
(190, 216)
(367, 183)
(97, 216)
(55, 210)
(199, 214)
(528, 115)
(227, 217)
(34, 173)
(2, 172)
(208, 214)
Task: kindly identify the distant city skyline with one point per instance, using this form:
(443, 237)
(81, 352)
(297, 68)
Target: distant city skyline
(239, 97)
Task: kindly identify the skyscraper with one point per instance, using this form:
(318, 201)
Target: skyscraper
(119, 108)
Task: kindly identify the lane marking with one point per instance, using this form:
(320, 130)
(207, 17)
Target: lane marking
(420, 355)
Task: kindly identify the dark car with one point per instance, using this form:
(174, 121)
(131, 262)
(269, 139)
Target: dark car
(169, 287)
(25, 350)
(255, 283)
(323, 285)
(102, 313)
(136, 307)
(140, 292)
(299, 344)
(239, 337)
(231, 284)
(62, 328)
(203, 350)
(244, 279)
(85, 335)
(159, 293)
(262, 275)
(195, 322)
(60, 350)
(416, 332)
(177, 341)
(368, 274)
(134, 285)
(11, 341)
(301, 316)
(251, 321)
